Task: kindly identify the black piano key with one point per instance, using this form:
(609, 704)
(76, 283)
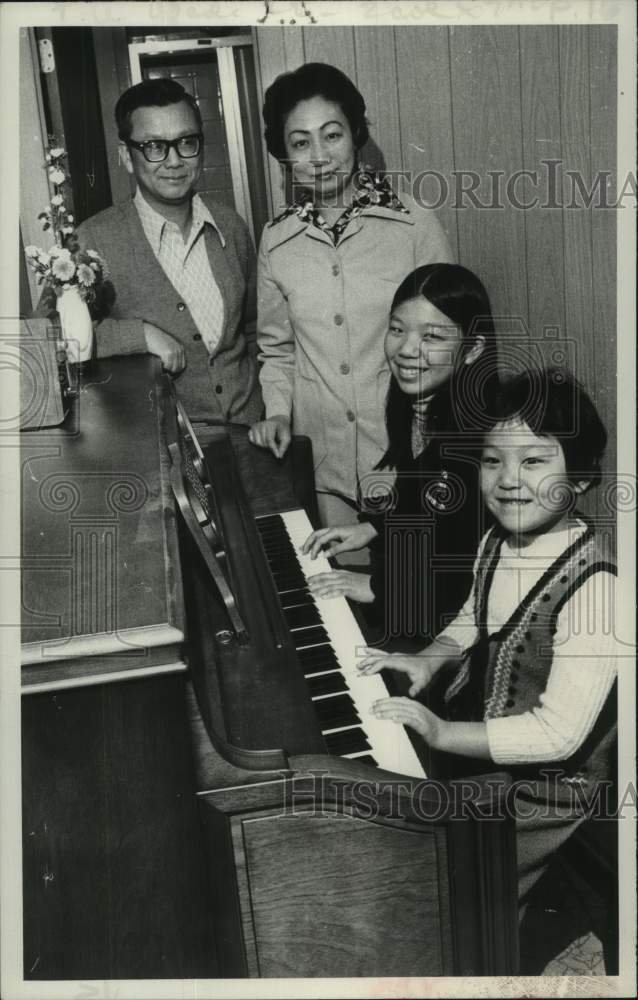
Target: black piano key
(315, 654)
(348, 741)
(313, 636)
(318, 658)
(292, 597)
(333, 713)
(287, 579)
(366, 758)
(302, 615)
(329, 683)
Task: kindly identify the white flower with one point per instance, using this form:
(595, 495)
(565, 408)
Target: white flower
(57, 176)
(62, 252)
(56, 153)
(63, 268)
(31, 251)
(93, 255)
(69, 217)
(57, 200)
(67, 229)
(85, 275)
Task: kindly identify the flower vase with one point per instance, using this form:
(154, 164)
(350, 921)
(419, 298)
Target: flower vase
(77, 327)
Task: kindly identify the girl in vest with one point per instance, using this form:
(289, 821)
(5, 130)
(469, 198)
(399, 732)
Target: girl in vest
(532, 654)
(421, 508)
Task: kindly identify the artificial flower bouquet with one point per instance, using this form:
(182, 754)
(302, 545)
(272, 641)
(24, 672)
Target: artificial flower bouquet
(65, 266)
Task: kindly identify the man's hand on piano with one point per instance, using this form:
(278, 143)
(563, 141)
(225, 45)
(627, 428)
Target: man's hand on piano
(413, 714)
(165, 347)
(420, 668)
(341, 538)
(273, 433)
(342, 583)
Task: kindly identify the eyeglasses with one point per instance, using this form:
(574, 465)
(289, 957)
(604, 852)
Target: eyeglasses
(156, 150)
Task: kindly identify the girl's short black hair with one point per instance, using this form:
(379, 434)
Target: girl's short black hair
(553, 403)
(157, 93)
(311, 80)
(461, 296)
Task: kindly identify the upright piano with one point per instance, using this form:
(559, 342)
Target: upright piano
(231, 808)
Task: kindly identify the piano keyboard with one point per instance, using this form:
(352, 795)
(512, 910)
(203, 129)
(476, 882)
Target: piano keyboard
(327, 639)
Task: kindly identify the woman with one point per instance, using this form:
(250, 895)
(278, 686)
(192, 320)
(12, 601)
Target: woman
(327, 270)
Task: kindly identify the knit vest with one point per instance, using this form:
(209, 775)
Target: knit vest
(505, 673)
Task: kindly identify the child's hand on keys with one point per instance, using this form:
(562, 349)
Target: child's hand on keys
(410, 713)
(342, 583)
(419, 669)
(343, 538)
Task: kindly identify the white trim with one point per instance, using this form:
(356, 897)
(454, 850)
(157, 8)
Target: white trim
(158, 46)
(34, 186)
(234, 134)
(104, 678)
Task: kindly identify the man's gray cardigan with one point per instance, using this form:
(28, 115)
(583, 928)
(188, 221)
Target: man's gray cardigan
(222, 386)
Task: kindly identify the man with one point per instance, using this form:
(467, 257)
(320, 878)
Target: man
(182, 265)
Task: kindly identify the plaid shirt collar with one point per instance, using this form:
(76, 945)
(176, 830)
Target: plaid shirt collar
(153, 223)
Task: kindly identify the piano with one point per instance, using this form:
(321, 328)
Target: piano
(229, 807)
(330, 852)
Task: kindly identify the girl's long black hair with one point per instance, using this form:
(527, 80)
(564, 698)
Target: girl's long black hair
(460, 408)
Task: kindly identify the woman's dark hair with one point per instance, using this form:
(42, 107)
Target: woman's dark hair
(553, 403)
(311, 80)
(460, 296)
(151, 94)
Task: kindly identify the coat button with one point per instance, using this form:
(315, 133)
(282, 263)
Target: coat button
(180, 307)
(344, 369)
(509, 703)
(338, 319)
(197, 336)
(351, 417)
(335, 269)
(219, 388)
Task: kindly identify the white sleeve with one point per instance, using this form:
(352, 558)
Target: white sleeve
(583, 669)
(462, 629)
(275, 339)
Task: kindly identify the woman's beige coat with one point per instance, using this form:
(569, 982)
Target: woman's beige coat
(322, 317)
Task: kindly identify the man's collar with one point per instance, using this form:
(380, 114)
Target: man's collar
(153, 222)
(201, 215)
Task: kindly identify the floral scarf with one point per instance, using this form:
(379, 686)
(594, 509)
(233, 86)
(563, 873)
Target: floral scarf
(371, 188)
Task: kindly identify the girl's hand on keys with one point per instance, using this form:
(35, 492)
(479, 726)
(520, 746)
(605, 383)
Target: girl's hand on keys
(419, 669)
(343, 538)
(410, 713)
(342, 583)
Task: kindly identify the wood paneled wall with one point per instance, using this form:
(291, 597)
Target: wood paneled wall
(498, 99)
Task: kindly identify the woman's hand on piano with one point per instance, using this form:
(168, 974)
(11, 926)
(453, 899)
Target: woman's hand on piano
(342, 583)
(341, 538)
(420, 668)
(413, 714)
(273, 433)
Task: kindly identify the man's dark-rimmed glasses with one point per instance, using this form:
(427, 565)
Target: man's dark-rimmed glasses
(156, 150)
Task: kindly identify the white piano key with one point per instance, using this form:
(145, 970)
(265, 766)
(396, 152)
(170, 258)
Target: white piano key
(391, 747)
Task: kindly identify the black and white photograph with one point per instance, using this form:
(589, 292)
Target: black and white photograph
(317, 430)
